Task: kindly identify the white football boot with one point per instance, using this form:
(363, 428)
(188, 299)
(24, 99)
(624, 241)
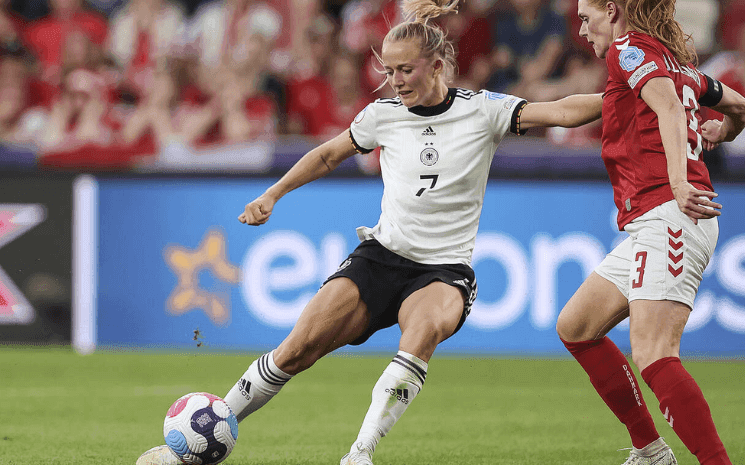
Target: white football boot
(360, 456)
(160, 455)
(655, 453)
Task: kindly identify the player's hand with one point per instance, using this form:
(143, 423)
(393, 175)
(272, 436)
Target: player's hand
(258, 211)
(695, 203)
(711, 130)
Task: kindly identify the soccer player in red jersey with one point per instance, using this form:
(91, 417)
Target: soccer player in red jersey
(652, 148)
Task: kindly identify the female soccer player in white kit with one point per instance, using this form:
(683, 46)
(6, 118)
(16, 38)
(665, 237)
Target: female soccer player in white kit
(413, 267)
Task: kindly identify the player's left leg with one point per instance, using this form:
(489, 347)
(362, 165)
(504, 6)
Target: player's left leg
(656, 330)
(427, 317)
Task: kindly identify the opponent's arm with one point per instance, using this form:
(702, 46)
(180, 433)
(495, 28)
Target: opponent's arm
(569, 112)
(732, 106)
(313, 165)
(659, 93)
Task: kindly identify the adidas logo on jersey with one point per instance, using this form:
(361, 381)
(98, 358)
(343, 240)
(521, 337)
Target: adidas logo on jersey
(429, 132)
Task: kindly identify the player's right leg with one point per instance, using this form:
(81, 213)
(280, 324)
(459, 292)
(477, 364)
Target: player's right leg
(596, 307)
(334, 317)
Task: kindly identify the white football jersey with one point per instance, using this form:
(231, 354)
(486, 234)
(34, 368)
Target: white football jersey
(435, 163)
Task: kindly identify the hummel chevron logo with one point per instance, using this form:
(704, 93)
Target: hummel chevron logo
(674, 271)
(675, 245)
(429, 132)
(674, 234)
(668, 417)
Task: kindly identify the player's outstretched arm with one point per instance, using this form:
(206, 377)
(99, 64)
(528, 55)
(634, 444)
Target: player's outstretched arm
(732, 106)
(313, 165)
(569, 112)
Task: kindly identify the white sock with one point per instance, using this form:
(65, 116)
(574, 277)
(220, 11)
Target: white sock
(397, 387)
(257, 386)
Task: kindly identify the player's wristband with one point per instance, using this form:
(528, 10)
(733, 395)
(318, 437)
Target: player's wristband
(515, 125)
(713, 94)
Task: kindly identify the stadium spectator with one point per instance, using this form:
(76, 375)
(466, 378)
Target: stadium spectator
(651, 145)
(215, 30)
(47, 37)
(149, 126)
(364, 24)
(308, 86)
(143, 36)
(528, 43)
(11, 29)
(240, 107)
(19, 123)
(470, 33)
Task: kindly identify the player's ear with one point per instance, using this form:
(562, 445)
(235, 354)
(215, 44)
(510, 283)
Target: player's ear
(613, 11)
(438, 67)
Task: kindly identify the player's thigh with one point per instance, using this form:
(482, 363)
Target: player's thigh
(334, 317)
(429, 316)
(656, 327)
(596, 307)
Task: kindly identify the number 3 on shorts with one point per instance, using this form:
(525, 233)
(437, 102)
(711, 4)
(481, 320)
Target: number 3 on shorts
(641, 258)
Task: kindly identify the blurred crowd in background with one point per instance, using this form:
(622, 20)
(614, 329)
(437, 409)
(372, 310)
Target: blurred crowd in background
(115, 83)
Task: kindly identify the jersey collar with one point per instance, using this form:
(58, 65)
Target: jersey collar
(438, 109)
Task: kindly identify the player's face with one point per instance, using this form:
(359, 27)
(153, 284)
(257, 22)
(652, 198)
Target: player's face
(414, 78)
(596, 27)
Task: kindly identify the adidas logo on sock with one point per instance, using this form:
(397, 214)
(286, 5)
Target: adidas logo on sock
(400, 394)
(244, 386)
(429, 132)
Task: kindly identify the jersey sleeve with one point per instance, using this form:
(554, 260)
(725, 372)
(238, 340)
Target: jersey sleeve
(363, 130)
(503, 112)
(636, 61)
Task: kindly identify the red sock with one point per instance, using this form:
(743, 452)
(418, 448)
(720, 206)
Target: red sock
(684, 407)
(614, 380)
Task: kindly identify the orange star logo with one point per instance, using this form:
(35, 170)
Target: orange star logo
(186, 265)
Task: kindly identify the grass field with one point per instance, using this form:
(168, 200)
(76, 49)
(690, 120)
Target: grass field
(107, 408)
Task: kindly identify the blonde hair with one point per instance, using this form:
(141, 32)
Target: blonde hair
(432, 38)
(657, 19)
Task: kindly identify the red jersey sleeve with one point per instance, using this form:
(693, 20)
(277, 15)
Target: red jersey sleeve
(635, 59)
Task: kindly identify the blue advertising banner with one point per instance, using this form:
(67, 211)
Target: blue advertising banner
(176, 269)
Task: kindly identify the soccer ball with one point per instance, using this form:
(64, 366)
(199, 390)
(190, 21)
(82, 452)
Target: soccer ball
(200, 429)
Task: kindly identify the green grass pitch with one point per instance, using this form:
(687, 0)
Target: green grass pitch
(57, 407)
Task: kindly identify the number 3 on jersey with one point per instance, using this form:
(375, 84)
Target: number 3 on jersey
(433, 177)
(691, 105)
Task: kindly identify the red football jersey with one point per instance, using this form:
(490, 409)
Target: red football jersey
(632, 146)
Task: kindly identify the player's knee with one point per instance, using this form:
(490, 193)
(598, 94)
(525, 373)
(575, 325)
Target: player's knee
(568, 329)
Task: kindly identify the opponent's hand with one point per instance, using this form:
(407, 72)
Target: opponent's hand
(257, 212)
(695, 203)
(712, 134)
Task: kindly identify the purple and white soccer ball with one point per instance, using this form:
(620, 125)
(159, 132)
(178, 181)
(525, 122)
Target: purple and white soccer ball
(200, 429)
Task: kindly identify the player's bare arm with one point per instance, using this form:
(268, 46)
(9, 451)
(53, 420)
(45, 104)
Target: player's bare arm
(313, 165)
(568, 112)
(659, 93)
(732, 106)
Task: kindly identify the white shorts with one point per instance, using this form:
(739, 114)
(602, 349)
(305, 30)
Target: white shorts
(664, 256)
